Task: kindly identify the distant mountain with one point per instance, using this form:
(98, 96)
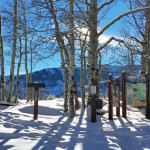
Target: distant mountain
(53, 79)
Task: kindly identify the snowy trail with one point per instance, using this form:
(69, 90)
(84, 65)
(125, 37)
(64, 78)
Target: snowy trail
(55, 131)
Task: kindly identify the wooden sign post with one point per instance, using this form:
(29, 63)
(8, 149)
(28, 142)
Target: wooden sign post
(110, 96)
(118, 97)
(36, 86)
(93, 94)
(124, 94)
(147, 97)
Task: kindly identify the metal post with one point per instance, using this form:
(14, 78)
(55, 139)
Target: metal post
(36, 103)
(110, 96)
(118, 97)
(124, 94)
(147, 97)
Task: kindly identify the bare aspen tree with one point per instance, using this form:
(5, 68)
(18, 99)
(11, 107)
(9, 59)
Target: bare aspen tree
(26, 58)
(139, 41)
(31, 78)
(71, 60)
(3, 98)
(93, 43)
(18, 69)
(83, 47)
(99, 70)
(94, 34)
(62, 49)
(145, 63)
(13, 56)
(65, 82)
(84, 76)
(61, 44)
(81, 77)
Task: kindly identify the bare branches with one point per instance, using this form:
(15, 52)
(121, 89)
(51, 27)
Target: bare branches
(140, 3)
(136, 23)
(138, 41)
(106, 43)
(105, 4)
(119, 17)
(83, 16)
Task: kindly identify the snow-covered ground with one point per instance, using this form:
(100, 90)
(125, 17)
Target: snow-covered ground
(55, 131)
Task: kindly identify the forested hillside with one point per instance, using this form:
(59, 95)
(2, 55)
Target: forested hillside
(53, 78)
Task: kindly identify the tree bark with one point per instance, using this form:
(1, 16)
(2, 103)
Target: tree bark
(3, 98)
(11, 81)
(31, 78)
(18, 69)
(71, 61)
(61, 44)
(26, 58)
(145, 64)
(92, 54)
(99, 72)
(65, 82)
(82, 75)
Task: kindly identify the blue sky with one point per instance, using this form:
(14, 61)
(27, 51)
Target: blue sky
(55, 61)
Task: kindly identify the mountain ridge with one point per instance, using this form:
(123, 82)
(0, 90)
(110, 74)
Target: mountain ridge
(53, 79)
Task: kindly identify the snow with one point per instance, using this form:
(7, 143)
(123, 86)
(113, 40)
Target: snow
(55, 131)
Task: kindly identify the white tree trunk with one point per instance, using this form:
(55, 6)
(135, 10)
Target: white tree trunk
(11, 81)
(82, 77)
(99, 71)
(92, 54)
(71, 62)
(65, 82)
(147, 34)
(18, 69)
(3, 98)
(145, 64)
(31, 79)
(61, 48)
(26, 58)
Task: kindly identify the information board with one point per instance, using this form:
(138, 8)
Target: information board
(129, 94)
(141, 91)
(136, 94)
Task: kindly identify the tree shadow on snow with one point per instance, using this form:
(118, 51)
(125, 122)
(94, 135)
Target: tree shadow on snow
(42, 110)
(20, 128)
(77, 133)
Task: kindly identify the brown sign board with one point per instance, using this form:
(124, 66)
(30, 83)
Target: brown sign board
(36, 85)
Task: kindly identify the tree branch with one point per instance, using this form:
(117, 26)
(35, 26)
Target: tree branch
(137, 25)
(105, 4)
(140, 3)
(106, 43)
(136, 39)
(84, 17)
(119, 17)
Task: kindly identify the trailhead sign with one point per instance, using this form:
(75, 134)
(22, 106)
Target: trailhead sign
(136, 92)
(141, 91)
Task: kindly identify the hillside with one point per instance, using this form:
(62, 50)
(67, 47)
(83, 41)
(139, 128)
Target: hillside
(53, 79)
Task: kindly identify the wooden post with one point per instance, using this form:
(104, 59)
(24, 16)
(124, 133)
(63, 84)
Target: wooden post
(36, 103)
(118, 97)
(147, 97)
(93, 92)
(36, 86)
(124, 94)
(110, 96)
(93, 115)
